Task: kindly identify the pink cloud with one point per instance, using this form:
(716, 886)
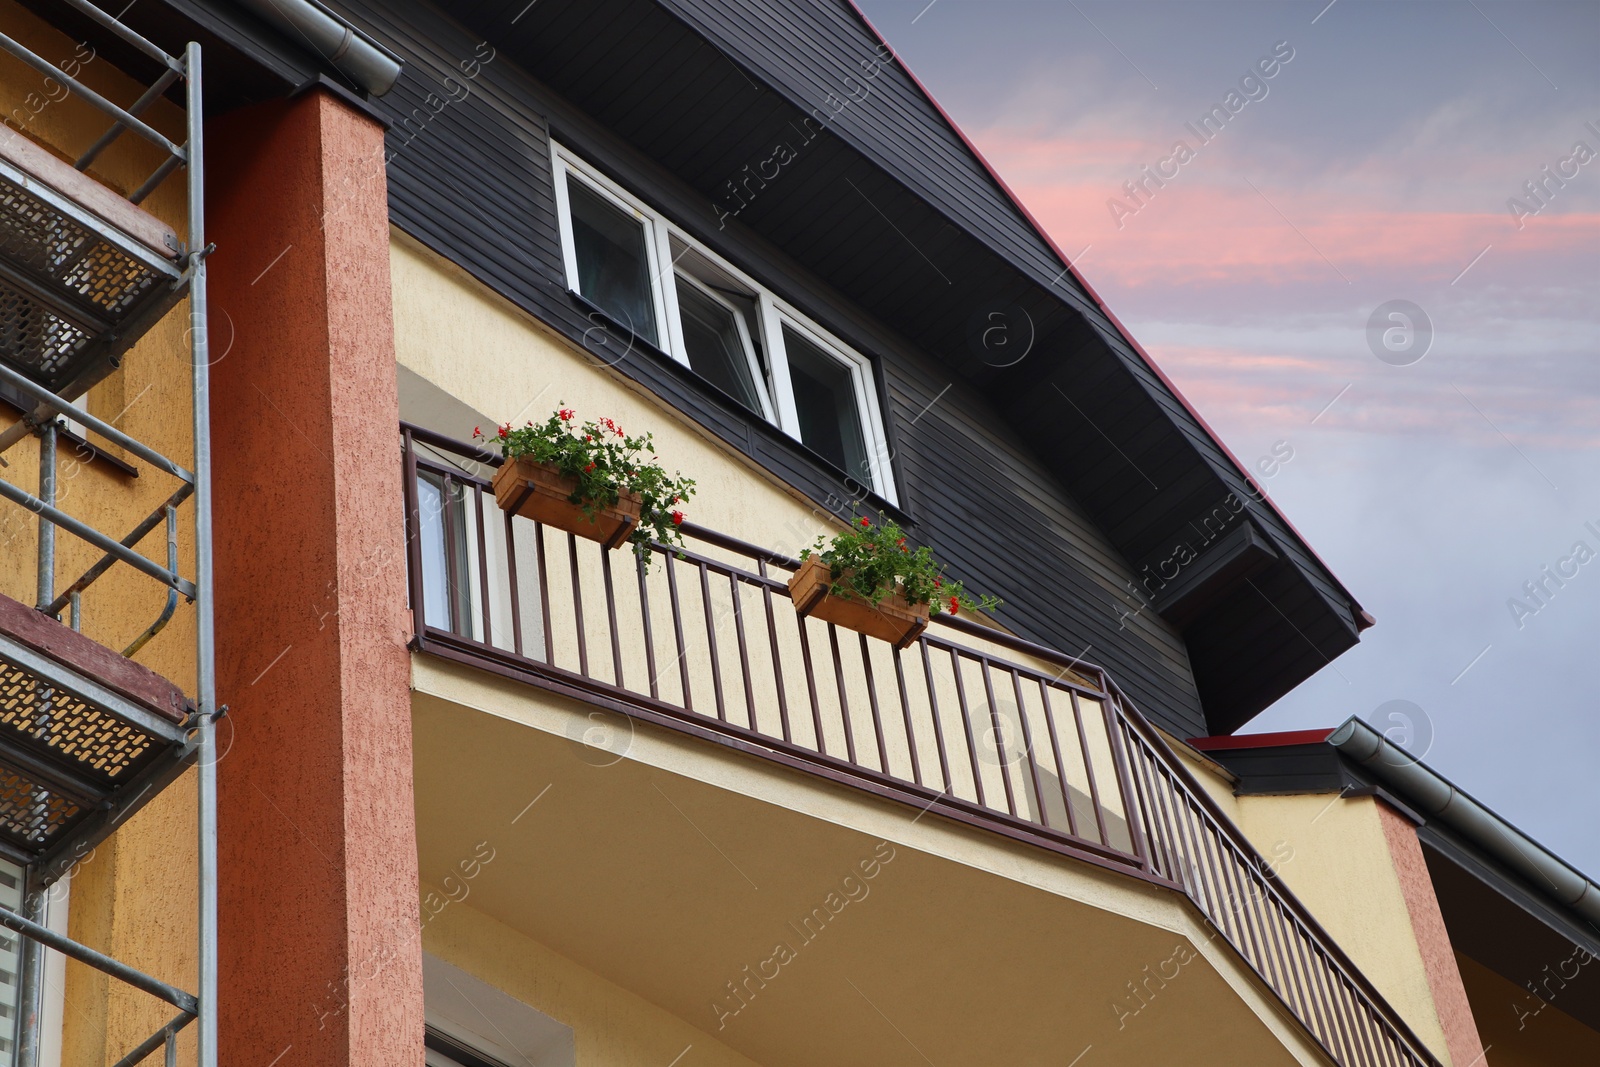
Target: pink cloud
(1247, 387)
(1209, 225)
(1208, 235)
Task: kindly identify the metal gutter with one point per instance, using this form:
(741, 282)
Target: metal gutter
(354, 55)
(1438, 798)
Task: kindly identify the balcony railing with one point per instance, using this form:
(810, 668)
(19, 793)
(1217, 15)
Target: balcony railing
(968, 722)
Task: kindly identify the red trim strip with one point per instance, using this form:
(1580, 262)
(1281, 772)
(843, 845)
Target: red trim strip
(1227, 743)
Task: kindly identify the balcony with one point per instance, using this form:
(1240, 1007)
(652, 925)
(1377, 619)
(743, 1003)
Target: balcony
(968, 723)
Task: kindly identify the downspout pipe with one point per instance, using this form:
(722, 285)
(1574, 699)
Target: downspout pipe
(335, 40)
(1435, 796)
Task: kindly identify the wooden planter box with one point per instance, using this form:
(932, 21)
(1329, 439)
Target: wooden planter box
(538, 491)
(891, 619)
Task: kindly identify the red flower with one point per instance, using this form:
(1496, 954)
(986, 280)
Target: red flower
(955, 605)
(586, 437)
(865, 521)
(937, 583)
(590, 467)
(477, 432)
(677, 517)
(565, 414)
(506, 429)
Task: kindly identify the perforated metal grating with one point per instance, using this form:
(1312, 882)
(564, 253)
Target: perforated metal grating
(94, 744)
(85, 285)
(30, 814)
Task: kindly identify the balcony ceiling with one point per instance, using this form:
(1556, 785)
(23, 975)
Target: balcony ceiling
(668, 885)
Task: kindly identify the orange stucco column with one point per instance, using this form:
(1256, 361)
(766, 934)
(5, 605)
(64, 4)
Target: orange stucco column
(1433, 940)
(320, 959)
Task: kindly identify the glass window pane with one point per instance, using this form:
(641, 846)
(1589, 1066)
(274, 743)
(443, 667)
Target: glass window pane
(715, 345)
(825, 401)
(613, 268)
(445, 597)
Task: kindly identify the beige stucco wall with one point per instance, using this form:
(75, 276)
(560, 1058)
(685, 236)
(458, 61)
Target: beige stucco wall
(1332, 854)
(508, 366)
(613, 1027)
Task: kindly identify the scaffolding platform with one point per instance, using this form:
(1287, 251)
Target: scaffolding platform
(86, 737)
(83, 271)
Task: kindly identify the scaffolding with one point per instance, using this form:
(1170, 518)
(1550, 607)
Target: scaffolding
(87, 736)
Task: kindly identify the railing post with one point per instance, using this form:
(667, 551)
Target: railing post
(1142, 847)
(460, 617)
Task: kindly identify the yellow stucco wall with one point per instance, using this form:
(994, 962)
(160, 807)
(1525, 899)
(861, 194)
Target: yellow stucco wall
(613, 1027)
(1332, 854)
(134, 897)
(508, 366)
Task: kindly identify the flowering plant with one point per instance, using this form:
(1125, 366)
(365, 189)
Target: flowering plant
(873, 562)
(605, 462)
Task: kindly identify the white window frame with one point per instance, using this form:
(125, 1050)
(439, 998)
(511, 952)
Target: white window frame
(777, 399)
(663, 301)
(49, 1032)
(757, 375)
(52, 1018)
(777, 315)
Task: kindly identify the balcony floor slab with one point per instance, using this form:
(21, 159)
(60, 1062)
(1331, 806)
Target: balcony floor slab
(674, 867)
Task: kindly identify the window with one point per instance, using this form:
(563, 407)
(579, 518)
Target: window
(11, 878)
(651, 278)
(447, 589)
(719, 322)
(825, 404)
(14, 953)
(473, 1024)
(612, 259)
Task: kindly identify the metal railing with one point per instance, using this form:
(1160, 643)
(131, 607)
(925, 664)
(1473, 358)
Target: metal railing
(968, 722)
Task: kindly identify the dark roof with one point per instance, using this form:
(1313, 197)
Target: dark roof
(902, 218)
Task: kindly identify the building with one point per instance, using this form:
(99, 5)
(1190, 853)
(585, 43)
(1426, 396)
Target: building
(354, 767)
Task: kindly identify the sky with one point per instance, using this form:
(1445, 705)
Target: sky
(1353, 271)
